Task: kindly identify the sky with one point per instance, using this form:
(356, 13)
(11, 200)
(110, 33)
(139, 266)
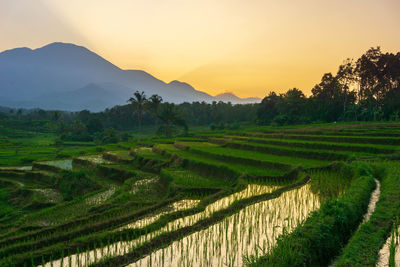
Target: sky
(249, 47)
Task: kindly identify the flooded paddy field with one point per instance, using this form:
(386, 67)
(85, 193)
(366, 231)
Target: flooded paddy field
(226, 199)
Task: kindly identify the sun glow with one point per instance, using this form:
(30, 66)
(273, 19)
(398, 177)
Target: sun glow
(215, 46)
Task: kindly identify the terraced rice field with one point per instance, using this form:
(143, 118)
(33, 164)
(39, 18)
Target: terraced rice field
(314, 196)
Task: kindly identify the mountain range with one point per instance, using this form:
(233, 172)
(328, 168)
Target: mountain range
(69, 77)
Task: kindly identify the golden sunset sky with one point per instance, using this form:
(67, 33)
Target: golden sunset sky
(249, 47)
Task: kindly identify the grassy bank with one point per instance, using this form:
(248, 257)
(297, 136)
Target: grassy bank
(320, 238)
(363, 247)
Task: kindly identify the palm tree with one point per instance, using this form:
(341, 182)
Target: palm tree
(170, 116)
(153, 105)
(138, 101)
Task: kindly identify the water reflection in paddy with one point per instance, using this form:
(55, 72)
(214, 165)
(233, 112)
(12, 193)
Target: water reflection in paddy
(251, 231)
(65, 164)
(120, 248)
(176, 206)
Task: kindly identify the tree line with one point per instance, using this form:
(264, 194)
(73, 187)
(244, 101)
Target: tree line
(366, 89)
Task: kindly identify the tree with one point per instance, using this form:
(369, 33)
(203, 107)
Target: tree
(346, 77)
(94, 125)
(293, 105)
(138, 102)
(327, 97)
(153, 105)
(170, 116)
(268, 108)
(56, 116)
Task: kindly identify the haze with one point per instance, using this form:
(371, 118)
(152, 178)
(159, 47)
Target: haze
(247, 47)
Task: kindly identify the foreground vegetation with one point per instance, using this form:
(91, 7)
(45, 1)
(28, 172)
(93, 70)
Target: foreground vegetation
(260, 196)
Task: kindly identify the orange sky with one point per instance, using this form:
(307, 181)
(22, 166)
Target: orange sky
(249, 47)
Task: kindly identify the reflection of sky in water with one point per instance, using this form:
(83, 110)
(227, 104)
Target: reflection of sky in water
(65, 164)
(384, 253)
(18, 168)
(225, 242)
(250, 231)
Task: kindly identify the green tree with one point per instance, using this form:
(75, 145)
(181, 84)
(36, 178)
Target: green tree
(153, 105)
(138, 102)
(346, 77)
(94, 125)
(293, 106)
(170, 116)
(328, 98)
(268, 108)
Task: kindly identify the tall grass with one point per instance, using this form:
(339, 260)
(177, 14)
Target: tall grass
(325, 232)
(363, 247)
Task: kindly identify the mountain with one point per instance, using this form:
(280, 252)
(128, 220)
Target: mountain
(70, 77)
(230, 97)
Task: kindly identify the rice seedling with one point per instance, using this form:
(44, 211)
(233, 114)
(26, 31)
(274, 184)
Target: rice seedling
(189, 202)
(252, 229)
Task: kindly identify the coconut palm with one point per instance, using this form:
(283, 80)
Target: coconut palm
(170, 116)
(153, 105)
(138, 102)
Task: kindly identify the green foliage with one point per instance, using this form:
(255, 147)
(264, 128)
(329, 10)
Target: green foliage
(5, 207)
(333, 99)
(75, 184)
(363, 247)
(76, 131)
(193, 168)
(189, 179)
(319, 239)
(332, 181)
(109, 136)
(94, 125)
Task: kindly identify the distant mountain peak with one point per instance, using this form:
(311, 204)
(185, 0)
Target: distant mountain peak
(61, 44)
(227, 94)
(231, 97)
(16, 51)
(176, 82)
(69, 76)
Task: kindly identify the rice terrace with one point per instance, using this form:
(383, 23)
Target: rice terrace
(273, 196)
(182, 133)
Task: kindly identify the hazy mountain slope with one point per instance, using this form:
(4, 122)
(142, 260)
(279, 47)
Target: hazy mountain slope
(230, 97)
(67, 76)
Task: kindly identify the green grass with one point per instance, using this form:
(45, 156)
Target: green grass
(122, 154)
(354, 148)
(318, 240)
(31, 226)
(340, 139)
(6, 209)
(190, 179)
(291, 151)
(247, 154)
(363, 247)
(330, 182)
(23, 151)
(146, 152)
(239, 169)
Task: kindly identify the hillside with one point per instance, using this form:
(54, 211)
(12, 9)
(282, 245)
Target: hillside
(70, 77)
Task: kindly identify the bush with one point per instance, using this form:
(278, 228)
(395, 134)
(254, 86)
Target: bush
(280, 120)
(109, 136)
